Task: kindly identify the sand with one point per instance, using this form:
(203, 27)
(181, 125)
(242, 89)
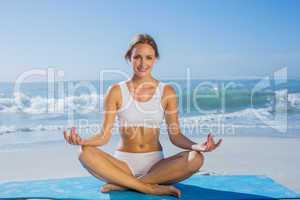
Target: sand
(277, 158)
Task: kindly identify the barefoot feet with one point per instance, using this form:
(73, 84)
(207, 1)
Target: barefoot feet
(157, 189)
(111, 187)
(166, 190)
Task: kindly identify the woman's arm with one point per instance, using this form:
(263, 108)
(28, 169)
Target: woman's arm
(175, 134)
(110, 110)
(172, 121)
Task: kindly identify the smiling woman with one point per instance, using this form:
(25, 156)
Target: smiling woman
(141, 103)
(142, 53)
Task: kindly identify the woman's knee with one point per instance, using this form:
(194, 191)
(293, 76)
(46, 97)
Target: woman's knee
(86, 153)
(195, 161)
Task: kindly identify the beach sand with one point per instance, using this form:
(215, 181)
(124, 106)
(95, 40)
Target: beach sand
(277, 158)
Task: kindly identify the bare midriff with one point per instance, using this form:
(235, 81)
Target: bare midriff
(139, 140)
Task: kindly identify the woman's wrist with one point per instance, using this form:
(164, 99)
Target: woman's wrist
(97, 140)
(91, 142)
(193, 147)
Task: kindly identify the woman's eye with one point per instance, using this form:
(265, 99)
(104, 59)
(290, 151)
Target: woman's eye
(149, 57)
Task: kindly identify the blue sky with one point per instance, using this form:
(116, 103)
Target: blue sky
(215, 39)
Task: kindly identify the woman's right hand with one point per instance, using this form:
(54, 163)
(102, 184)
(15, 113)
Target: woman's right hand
(73, 138)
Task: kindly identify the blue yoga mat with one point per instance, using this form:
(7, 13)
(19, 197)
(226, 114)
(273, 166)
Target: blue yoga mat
(196, 187)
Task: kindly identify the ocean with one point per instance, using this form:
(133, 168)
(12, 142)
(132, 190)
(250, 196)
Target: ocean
(36, 113)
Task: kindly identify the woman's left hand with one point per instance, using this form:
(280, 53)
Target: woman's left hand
(207, 146)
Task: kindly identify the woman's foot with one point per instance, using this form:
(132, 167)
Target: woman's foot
(157, 189)
(166, 190)
(111, 187)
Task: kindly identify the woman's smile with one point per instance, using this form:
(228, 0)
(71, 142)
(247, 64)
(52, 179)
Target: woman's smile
(142, 69)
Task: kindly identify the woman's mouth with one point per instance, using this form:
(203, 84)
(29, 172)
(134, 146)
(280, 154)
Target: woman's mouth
(142, 69)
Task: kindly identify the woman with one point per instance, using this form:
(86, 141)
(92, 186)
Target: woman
(140, 104)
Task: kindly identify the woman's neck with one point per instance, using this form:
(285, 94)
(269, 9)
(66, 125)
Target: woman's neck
(137, 80)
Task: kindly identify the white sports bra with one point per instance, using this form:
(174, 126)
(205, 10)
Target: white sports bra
(148, 114)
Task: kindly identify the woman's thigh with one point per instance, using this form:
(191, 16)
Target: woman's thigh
(117, 162)
(170, 161)
(175, 168)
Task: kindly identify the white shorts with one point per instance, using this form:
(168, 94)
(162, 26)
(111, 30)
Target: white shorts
(139, 163)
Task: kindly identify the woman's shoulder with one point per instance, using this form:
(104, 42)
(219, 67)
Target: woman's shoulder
(168, 89)
(114, 90)
(168, 92)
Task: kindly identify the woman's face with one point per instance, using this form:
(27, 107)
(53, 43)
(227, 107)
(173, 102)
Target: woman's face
(142, 59)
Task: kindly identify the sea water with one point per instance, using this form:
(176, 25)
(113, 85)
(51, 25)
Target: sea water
(36, 113)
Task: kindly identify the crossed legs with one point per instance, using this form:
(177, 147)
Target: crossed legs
(118, 175)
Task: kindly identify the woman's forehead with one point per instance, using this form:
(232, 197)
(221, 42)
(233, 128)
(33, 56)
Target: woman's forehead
(143, 49)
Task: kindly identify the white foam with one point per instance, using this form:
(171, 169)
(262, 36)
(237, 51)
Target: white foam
(294, 100)
(21, 103)
(85, 103)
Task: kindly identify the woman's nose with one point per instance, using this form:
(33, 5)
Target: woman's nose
(142, 61)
